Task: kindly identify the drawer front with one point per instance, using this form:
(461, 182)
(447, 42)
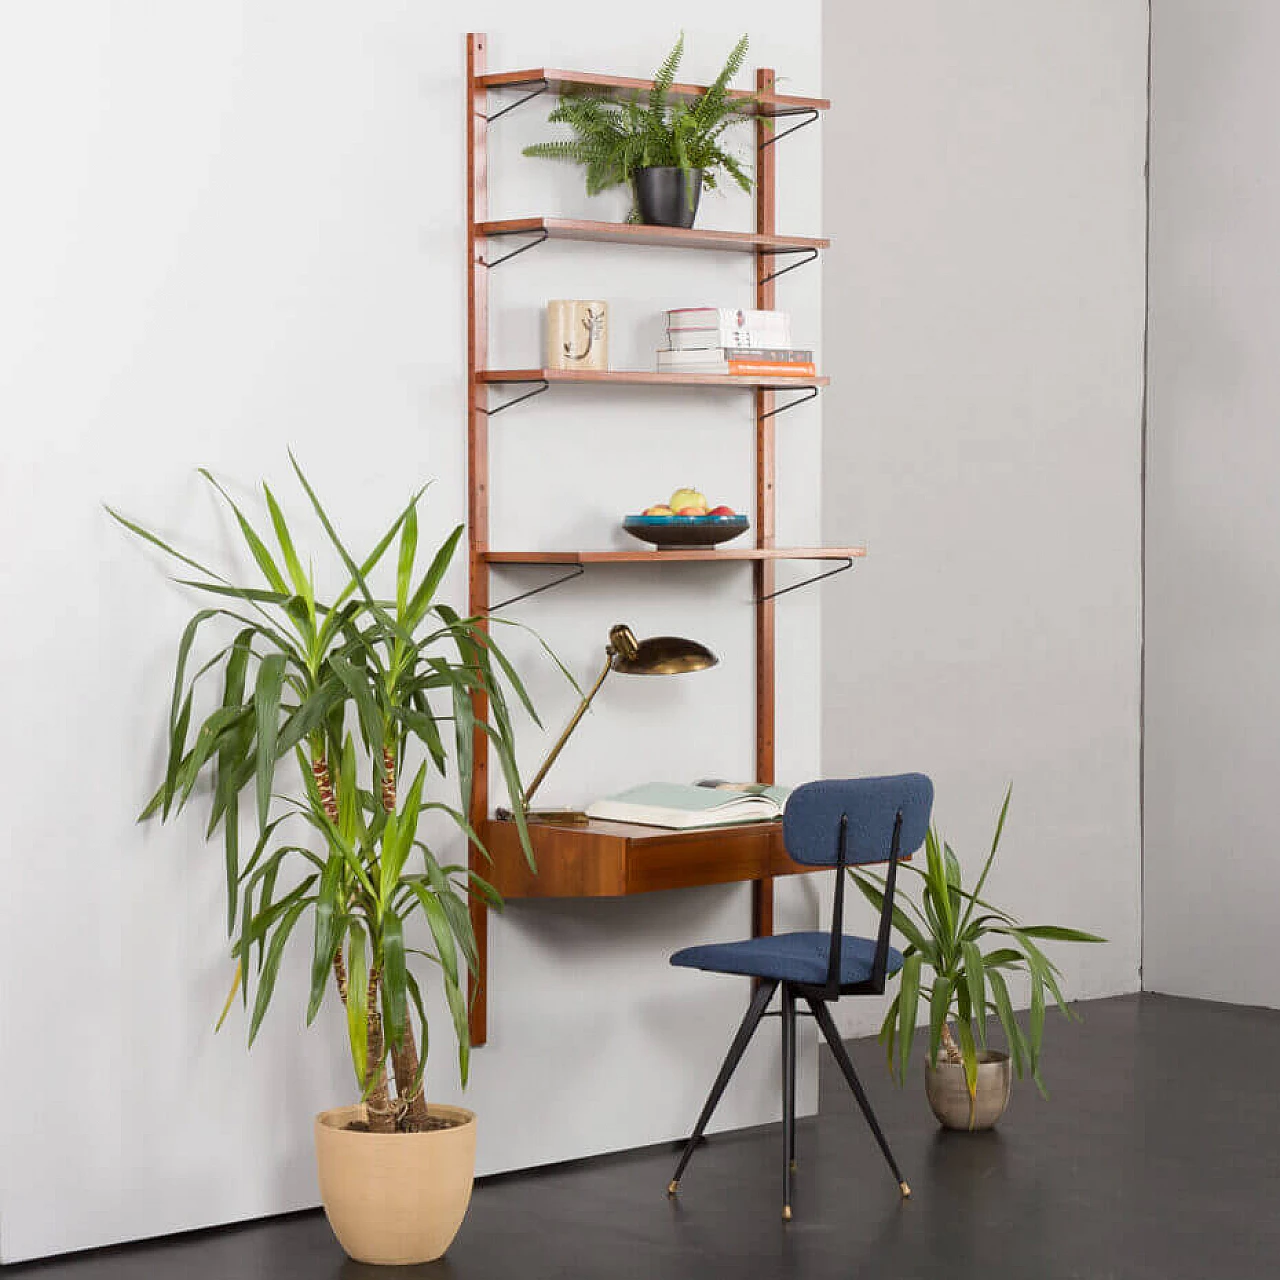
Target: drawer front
(707, 858)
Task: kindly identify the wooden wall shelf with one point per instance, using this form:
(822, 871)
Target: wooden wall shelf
(557, 81)
(613, 859)
(665, 237)
(703, 555)
(641, 377)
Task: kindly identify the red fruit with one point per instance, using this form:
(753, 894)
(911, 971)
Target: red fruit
(692, 511)
(722, 511)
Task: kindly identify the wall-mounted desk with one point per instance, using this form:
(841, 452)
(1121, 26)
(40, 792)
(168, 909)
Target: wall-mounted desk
(613, 859)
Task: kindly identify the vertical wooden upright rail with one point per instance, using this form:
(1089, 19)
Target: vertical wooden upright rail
(766, 476)
(477, 108)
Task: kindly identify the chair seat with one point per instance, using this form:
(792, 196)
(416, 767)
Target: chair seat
(788, 957)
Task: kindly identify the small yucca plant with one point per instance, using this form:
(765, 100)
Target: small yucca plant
(614, 139)
(348, 689)
(945, 966)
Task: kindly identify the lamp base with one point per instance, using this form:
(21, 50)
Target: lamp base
(556, 817)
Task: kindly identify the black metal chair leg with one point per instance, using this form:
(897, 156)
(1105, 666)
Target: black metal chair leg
(822, 1015)
(751, 1020)
(788, 1095)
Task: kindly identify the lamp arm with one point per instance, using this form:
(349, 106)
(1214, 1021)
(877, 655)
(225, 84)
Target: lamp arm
(568, 729)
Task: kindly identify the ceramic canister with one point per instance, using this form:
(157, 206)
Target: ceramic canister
(577, 335)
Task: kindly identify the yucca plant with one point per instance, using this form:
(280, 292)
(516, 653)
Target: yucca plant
(614, 139)
(946, 929)
(318, 709)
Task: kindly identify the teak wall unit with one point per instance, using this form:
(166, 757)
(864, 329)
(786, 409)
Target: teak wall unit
(606, 859)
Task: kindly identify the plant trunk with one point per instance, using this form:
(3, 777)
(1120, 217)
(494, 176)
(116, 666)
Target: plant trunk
(949, 1046)
(324, 784)
(404, 1060)
(382, 1115)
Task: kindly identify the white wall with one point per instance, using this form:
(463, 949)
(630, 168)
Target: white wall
(1213, 597)
(984, 306)
(229, 228)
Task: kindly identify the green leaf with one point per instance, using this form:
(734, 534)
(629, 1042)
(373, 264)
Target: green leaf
(909, 999)
(270, 571)
(330, 925)
(301, 582)
(986, 866)
(408, 553)
(969, 1052)
(440, 931)
(393, 977)
(1004, 1011)
(461, 1027)
(266, 704)
(1056, 933)
(975, 980)
(1036, 1020)
(939, 1007)
(358, 1001)
(431, 580)
(361, 690)
(271, 966)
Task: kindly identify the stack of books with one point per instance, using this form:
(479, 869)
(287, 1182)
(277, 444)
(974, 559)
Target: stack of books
(727, 341)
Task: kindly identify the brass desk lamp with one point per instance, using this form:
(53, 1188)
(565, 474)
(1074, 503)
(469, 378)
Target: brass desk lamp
(657, 656)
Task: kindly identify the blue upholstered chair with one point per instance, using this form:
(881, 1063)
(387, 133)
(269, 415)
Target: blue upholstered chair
(829, 824)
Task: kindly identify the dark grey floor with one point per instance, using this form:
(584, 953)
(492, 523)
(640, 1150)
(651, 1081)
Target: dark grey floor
(1157, 1157)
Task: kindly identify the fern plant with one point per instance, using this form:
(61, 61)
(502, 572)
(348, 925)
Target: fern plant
(614, 139)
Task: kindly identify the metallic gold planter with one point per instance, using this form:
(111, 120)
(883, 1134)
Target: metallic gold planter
(949, 1095)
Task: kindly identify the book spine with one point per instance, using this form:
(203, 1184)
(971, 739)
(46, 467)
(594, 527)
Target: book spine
(780, 355)
(730, 339)
(726, 317)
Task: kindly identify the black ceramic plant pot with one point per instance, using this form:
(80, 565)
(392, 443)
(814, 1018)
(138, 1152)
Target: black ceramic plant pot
(664, 197)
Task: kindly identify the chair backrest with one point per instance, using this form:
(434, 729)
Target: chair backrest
(811, 821)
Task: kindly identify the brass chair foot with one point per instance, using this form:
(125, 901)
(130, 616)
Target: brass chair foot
(672, 1186)
(906, 1190)
(786, 1213)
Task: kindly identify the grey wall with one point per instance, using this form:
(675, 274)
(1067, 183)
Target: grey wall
(984, 318)
(1212, 877)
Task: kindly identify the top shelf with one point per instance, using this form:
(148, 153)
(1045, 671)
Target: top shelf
(639, 233)
(558, 81)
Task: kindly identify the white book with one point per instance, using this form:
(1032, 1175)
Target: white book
(684, 807)
(733, 317)
(724, 327)
(775, 355)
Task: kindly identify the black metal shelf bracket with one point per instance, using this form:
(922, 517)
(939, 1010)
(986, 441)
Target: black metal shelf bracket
(575, 572)
(810, 394)
(810, 115)
(810, 255)
(540, 237)
(543, 86)
(808, 582)
(543, 385)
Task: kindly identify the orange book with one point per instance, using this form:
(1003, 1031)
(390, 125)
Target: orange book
(770, 369)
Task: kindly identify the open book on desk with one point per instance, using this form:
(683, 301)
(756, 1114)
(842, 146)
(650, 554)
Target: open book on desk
(685, 807)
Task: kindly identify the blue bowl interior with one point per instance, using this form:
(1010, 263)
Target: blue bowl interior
(716, 522)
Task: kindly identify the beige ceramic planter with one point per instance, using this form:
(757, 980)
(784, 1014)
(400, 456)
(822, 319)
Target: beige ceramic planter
(949, 1095)
(395, 1198)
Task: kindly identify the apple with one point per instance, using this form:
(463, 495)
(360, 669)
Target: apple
(688, 498)
(660, 510)
(722, 511)
(692, 511)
